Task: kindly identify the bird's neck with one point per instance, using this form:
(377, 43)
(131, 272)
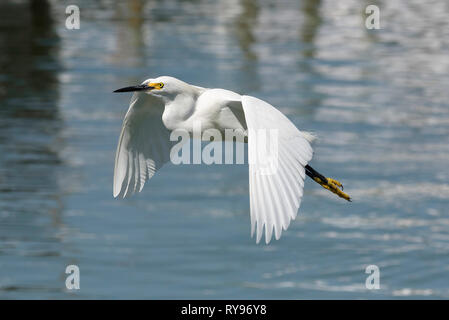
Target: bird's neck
(179, 110)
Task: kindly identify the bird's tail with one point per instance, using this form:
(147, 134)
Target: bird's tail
(309, 136)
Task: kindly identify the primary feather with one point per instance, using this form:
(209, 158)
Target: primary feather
(143, 147)
(274, 198)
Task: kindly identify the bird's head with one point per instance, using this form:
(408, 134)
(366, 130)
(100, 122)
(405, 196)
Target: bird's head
(164, 86)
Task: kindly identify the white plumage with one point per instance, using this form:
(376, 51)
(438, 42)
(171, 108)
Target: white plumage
(164, 104)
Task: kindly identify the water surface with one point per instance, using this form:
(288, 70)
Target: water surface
(377, 100)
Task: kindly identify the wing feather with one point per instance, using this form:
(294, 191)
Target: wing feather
(143, 147)
(274, 197)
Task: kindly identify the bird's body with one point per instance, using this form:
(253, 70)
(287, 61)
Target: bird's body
(165, 104)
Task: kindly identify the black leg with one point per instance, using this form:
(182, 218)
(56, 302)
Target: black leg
(327, 183)
(312, 173)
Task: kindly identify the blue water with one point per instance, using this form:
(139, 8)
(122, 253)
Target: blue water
(377, 99)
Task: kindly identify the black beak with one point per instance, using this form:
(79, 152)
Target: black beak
(140, 87)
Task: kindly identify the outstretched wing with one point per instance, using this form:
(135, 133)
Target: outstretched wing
(143, 147)
(275, 189)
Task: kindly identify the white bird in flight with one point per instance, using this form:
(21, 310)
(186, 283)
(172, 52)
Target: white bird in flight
(164, 104)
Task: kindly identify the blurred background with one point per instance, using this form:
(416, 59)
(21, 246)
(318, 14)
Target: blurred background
(377, 99)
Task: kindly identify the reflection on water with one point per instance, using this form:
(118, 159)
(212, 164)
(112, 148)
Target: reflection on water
(30, 196)
(378, 101)
(310, 26)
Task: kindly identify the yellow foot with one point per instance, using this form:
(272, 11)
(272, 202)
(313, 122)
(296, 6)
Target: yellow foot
(334, 186)
(336, 182)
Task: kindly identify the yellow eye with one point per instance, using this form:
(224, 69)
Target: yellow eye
(156, 85)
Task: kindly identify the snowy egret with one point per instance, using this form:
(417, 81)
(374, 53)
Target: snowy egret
(164, 104)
